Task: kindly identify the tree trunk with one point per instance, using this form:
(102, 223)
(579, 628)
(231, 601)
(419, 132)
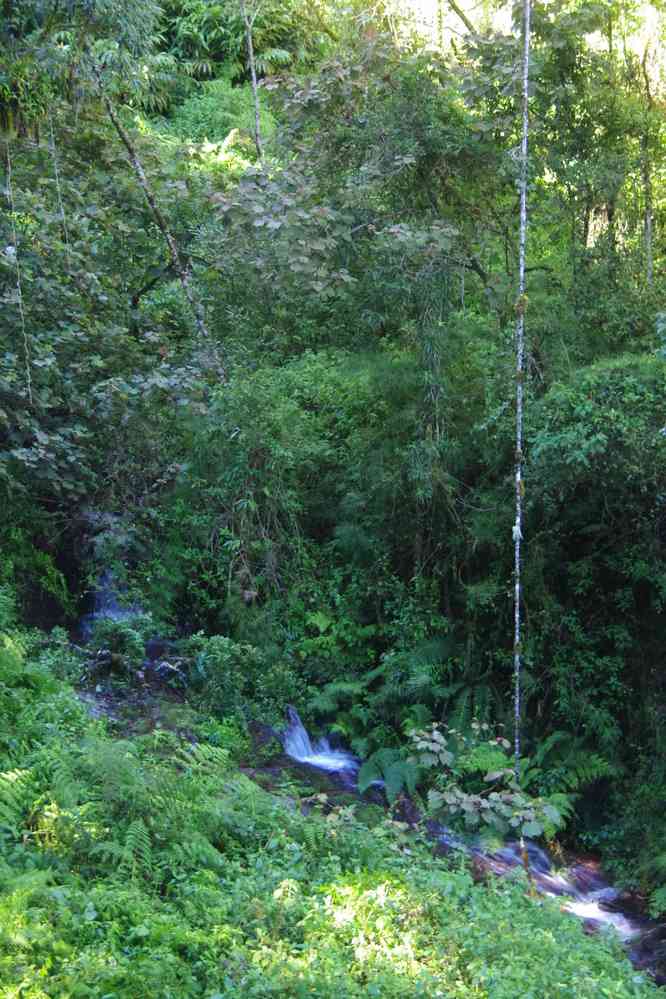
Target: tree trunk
(463, 17)
(646, 170)
(249, 24)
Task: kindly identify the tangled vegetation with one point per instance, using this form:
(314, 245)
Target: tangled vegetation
(268, 386)
(146, 864)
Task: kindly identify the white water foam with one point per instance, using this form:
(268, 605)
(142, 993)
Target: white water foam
(589, 909)
(298, 745)
(588, 905)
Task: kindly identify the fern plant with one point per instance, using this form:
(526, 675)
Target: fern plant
(17, 792)
(390, 768)
(562, 763)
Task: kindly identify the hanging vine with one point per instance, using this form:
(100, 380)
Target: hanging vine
(17, 264)
(61, 205)
(521, 304)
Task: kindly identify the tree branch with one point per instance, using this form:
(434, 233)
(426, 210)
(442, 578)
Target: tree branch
(176, 262)
(463, 16)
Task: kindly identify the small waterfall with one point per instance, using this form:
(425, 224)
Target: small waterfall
(106, 604)
(298, 745)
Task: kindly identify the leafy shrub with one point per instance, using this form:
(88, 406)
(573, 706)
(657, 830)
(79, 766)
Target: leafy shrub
(227, 733)
(210, 39)
(230, 678)
(391, 768)
(215, 110)
(634, 841)
(55, 653)
(7, 607)
(475, 784)
(29, 574)
(124, 636)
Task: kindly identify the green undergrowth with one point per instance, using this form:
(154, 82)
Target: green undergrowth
(152, 866)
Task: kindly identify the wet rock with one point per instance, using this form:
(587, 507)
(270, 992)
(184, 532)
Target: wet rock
(160, 648)
(169, 673)
(105, 662)
(405, 810)
(553, 884)
(586, 877)
(485, 865)
(445, 841)
(649, 950)
(622, 901)
(538, 859)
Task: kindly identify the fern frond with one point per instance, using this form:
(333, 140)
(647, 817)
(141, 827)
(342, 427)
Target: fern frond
(193, 854)
(137, 851)
(108, 850)
(66, 789)
(585, 768)
(335, 696)
(205, 759)
(388, 766)
(401, 775)
(16, 795)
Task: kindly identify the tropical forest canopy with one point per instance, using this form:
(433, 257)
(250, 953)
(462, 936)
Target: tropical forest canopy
(259, 276)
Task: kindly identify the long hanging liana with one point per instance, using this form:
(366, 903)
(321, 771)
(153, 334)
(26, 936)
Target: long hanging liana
(61, 206)
(521, 304)
(17, 264)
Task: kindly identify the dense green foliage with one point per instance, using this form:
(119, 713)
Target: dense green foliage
(316, 496)
(146, 865)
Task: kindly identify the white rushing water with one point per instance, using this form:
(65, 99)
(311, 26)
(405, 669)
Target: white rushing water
(582, 890)
(590, 909)
(298, 745)
(107, 597)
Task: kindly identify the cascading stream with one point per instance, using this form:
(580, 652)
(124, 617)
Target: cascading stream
(581, 888)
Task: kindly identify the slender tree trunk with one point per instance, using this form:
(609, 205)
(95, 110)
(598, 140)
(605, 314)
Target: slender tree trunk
(249, 24)
(179, 266)
(520, 373)
(463, 16)
(587, 217)
(646, 169)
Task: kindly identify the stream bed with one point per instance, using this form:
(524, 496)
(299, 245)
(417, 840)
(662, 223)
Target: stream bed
(581, 886)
